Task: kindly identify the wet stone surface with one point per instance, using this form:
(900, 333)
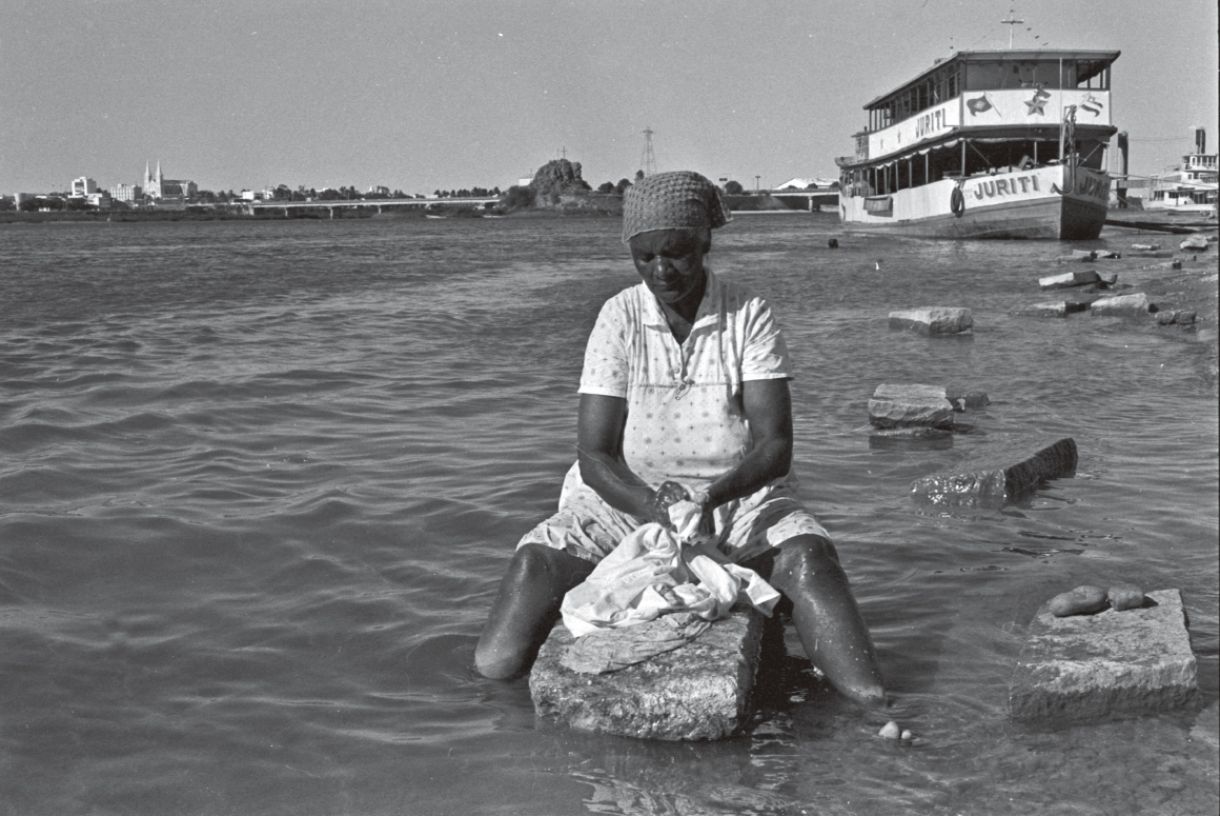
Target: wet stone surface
(1115, 662)
(700, 691)
(1006, 476)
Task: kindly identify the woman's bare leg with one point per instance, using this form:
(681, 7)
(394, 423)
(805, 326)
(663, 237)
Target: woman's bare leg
(526, 609)
(833, 633)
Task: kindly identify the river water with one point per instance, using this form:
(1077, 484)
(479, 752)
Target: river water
(259, 480)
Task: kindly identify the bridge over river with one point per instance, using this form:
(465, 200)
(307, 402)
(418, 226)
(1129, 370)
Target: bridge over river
(807, 200)
(334, 207)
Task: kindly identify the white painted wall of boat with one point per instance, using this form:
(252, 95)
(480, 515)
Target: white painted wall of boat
(1004, 109)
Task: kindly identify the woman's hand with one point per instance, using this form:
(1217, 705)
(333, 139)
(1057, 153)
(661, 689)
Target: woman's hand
(666, 494)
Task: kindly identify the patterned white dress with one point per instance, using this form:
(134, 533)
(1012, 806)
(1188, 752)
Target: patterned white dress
(685, 418)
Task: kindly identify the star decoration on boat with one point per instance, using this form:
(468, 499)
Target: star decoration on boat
(1037, 105)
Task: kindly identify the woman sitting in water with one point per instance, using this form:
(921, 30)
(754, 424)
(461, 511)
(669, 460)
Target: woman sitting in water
(685, 381)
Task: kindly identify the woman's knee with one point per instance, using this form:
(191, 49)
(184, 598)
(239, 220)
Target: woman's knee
(533, 565)
(806, 553)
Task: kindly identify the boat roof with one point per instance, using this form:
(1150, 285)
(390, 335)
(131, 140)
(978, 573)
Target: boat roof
(1101, 60)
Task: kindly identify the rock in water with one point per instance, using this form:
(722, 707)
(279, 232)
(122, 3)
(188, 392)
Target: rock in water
(1068, 279)
(1005, 478)
(904, 406)
(934, 320)
(1132, 305)
(699, 691)
(1110, 663)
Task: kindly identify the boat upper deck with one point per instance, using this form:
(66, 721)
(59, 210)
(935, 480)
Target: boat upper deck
(990, 94)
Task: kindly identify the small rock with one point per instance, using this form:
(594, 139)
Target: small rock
(1125, 596)
(963, 400)
(890, 731)
(1083, 600)
(1068, 279)
(907, 736)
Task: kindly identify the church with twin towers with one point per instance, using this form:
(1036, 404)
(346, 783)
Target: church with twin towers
(158, 187)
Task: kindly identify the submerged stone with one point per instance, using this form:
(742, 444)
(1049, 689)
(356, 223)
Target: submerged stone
(933, 320)
(699, 691)
(1171, 317)
(1007, 477)
(1054, 308)
(1111, 663)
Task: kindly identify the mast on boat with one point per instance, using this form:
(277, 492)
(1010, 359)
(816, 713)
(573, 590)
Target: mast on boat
(1011, 21)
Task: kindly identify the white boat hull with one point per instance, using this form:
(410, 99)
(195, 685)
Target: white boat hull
(1036, 203)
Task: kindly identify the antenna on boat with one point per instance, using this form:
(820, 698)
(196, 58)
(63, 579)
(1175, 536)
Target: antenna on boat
(1011, 21)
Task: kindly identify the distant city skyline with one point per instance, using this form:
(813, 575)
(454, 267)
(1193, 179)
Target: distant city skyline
(418, 96)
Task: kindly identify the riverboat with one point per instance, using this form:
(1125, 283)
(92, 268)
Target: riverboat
(986, 144)
(1192, 187)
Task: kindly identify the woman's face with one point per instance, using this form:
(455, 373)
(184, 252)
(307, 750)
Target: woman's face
(671, 263)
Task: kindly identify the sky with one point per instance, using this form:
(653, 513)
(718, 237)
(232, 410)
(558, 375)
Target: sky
(421, 95)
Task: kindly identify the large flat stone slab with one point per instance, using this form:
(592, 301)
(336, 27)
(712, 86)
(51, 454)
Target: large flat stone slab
(910, 405)
(1132, 305)
(700, 691)
(1110, 663)
(916, 405)
(1007, 476)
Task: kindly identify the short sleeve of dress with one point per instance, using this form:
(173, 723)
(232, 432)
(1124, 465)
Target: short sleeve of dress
(765, 356)
(605, 367)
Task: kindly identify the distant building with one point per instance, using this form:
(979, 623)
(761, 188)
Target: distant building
(159, 188)
(83, 187)
(126, 192)
(809, 184)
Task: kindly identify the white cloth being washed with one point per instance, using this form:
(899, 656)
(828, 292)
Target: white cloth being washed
(652, 572)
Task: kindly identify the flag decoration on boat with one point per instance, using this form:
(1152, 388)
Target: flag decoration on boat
(979, 104)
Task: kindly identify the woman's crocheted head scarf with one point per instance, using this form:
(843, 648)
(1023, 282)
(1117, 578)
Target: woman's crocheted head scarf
(680, 199)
